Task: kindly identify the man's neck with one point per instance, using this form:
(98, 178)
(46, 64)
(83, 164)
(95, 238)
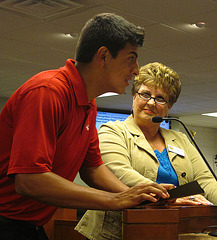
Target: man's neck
(91, 78)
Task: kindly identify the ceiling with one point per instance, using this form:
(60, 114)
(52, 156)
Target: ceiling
(32, 37)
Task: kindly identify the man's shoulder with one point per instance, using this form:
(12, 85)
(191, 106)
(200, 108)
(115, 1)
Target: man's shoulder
(50, 80)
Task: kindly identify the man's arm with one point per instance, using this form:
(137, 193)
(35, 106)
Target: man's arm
(102, 178)
(54, 190)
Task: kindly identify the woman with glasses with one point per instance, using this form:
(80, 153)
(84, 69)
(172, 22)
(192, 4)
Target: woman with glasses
(139, 150)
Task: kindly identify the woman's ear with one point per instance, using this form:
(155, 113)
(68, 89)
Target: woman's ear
(169, 106)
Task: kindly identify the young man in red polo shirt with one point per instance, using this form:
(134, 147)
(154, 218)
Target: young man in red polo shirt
(48, 134)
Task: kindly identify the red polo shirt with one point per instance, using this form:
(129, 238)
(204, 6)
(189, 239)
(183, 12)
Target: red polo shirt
(48, 124)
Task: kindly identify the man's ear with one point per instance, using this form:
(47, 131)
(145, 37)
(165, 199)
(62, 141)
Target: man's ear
(102, 54)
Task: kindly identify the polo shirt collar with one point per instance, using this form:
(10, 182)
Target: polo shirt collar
(77, 82)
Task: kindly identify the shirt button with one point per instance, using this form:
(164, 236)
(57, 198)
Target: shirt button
(183, 174)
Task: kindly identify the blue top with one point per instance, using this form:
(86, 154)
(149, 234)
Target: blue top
(166, 173)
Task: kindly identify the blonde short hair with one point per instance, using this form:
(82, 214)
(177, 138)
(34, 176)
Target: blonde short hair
(159, 76)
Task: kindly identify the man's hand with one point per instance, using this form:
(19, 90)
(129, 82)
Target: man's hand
(167, 186)
(135, 195)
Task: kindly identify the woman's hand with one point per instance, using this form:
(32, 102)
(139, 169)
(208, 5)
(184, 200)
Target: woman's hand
(194, 200)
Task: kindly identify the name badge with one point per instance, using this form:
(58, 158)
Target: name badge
(176, 150)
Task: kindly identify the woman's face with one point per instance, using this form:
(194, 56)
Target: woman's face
(145, 110)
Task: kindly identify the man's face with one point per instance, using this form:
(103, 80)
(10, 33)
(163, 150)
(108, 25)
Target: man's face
(120, 70)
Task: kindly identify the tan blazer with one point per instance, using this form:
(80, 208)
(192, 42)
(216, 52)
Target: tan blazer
(126, 152)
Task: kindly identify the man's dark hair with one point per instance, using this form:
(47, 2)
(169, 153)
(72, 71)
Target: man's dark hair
(109, 30)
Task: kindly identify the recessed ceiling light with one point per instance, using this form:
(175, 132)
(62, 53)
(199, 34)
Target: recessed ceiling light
(210, 114)
(73, 35)
(199, 24)
(108, 94)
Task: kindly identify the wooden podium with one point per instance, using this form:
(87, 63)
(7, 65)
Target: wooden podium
(62, 224)
(166, 222)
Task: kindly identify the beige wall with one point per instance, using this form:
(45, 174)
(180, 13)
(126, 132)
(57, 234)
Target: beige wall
(206, 139)
(2, 102)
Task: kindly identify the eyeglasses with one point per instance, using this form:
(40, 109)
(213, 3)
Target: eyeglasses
(147, 97)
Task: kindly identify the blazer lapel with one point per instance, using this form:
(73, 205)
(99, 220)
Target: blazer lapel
(170, 139)
(139, 137)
